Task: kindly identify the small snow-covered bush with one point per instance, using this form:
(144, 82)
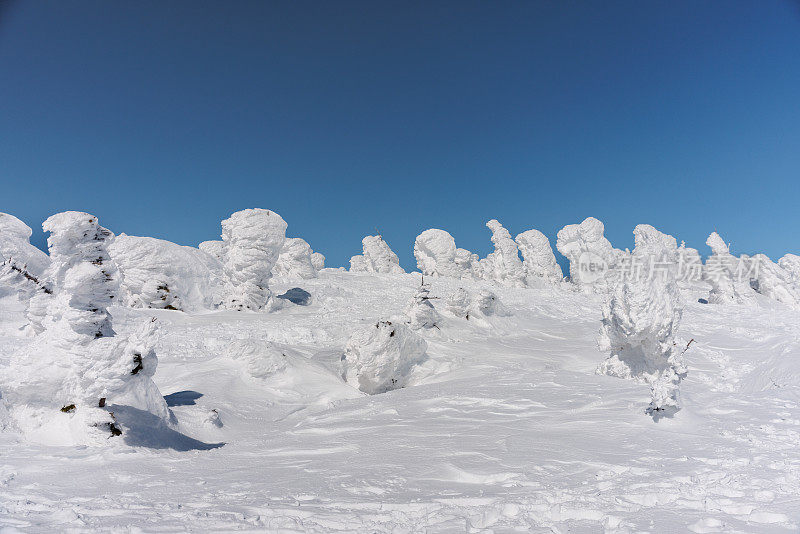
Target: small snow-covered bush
(253, 240)
(261, 360)
(435, 251)
(539, 261)
(420, 310)
(591, 256)
(459, 303)
(377, 257)
(160, 274)
(503, 265)
(638, 329)
(381, 357)
(722, 270)
(295, 260)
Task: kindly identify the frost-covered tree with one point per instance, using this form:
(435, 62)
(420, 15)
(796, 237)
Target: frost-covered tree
(21, 264)
(160, 274)
(538, 258)
(420, 311)
(214, 248)
(253, 240)
(459, 303)
(469, 264)
(381, 357)
(503, 265)
(318, 261)
(377, 257)
(722, 271)
(81, 274)
(773, 281)
(62, 382)
(591, 257)
(790, 263)
(638, 329)
(294, 261)
(435, 251)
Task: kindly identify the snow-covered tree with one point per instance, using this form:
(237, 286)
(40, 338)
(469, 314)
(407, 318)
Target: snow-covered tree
(381, 357)
(503, 265)
(81, 274)
(253, 240)
(21, 264)
(377, 257)
(318, 261)
(722, 272)
(62, 382)
(459, 303)
(638, 329)
(214, 248)
(591, 257)
(420, 311)
(160, 274)
(538, 258)
(790, 263)
(773, 281)
(469, 264)
(435, 251)
(294, 261)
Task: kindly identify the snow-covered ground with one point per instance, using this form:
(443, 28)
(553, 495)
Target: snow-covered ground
(504, 427)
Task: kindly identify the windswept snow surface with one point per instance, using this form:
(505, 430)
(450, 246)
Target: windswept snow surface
(503, 426)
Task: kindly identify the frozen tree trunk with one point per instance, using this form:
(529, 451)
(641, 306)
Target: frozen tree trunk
(253, 240)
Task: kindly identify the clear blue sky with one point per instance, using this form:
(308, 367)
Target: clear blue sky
(164, 117)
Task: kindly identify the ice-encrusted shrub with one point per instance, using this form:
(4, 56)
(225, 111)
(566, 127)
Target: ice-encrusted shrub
(377, 257)
(503, 265)
(722, 271)
(294, 261)
(538, 259)
(435, 252)
(381, 357)
(420, 310)
(638, 329)
(591, 257)
(253, 240)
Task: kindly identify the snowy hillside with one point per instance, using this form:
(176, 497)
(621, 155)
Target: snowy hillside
(494, 407)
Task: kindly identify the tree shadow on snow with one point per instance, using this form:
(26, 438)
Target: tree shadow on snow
(182, 398)
(143, 429)
(297, 295)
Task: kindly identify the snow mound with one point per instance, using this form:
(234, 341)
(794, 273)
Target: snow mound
(214, 248)
(381, 357)
(160, 274)
(377, 257)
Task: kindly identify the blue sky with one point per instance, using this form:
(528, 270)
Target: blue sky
(162, 118)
